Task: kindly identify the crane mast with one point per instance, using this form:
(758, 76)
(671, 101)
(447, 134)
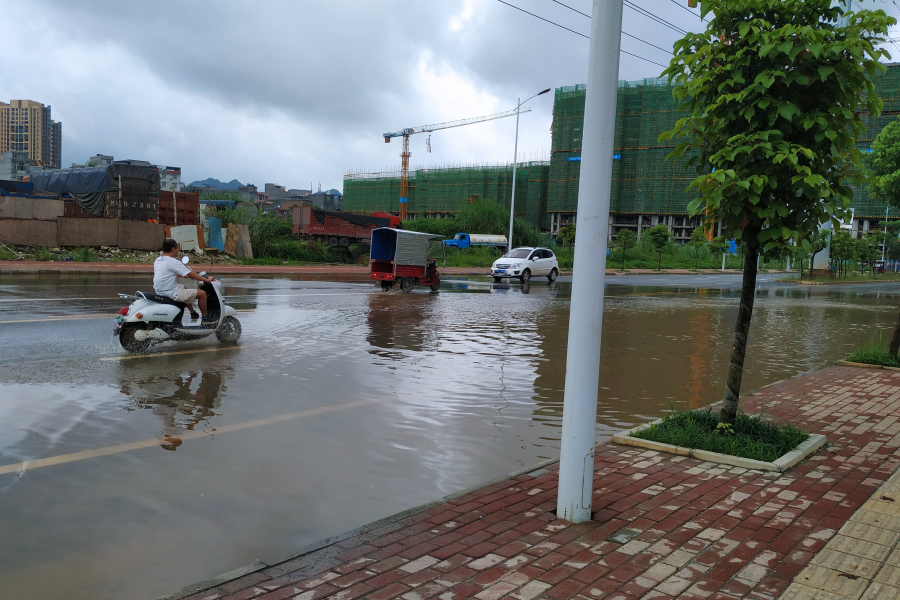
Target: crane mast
(405, 154)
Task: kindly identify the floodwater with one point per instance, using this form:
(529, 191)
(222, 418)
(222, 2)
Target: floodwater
(340, 406)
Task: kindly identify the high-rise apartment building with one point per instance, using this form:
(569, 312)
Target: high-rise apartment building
(26, 126)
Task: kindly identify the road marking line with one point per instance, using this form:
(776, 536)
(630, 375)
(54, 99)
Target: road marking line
(173, 353)
(187, 435)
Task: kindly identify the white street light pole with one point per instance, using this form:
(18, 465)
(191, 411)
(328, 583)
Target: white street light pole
(512, 201)
(579, 424)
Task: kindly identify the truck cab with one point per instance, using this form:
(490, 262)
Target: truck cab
(460, 240)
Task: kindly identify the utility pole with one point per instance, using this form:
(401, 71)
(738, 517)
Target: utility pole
(579, 426)
(822, 260)
(512, 200)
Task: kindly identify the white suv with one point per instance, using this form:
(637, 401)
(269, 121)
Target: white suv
(525, 263)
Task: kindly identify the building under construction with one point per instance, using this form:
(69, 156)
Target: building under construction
(440, 192)
(646, 190)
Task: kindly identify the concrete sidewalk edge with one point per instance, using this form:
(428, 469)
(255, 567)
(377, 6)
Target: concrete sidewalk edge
(258, 565)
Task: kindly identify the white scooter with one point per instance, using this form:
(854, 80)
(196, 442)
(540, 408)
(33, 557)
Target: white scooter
(153, 319)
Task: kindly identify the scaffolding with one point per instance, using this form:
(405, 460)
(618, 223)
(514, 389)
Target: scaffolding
(643, 181)
(442, 191)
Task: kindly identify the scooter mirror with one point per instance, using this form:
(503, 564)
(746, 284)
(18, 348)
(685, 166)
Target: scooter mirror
(185, 259)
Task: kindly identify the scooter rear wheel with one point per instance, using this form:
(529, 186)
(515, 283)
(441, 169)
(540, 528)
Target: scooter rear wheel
(230, 331)
(129, 342)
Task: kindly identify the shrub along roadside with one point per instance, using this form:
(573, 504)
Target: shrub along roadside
(752, 437)
(873, 353)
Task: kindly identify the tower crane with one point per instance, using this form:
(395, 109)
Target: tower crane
(405, 133)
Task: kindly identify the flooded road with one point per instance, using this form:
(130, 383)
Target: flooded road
(125, 477)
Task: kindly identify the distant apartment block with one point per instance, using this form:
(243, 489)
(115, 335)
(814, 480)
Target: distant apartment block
(99, 160)
(170, 179)
(26, 126)
(14, 166)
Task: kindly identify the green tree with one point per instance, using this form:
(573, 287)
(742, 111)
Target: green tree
(868, 250)
(717, 247)
(625, 240)
(817, 243)
(843, 250)
(567, 235)
(658, 237)
(883, 165)
(698, 241)
(770, 87)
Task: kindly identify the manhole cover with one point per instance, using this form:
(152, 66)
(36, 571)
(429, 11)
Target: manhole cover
(623, 536)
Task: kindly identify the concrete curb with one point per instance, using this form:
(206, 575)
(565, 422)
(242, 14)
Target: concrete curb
(811, 445)
(259, 565)
(845, 363)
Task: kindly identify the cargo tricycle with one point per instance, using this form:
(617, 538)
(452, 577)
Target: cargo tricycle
(405, 258)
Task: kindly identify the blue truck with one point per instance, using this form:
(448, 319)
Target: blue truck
(466, 240)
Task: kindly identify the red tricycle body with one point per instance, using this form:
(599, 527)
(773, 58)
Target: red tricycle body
(402, 257)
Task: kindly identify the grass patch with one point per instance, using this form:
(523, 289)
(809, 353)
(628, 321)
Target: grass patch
(873, 353)
(753, 436)
(85, 254)
(272, 261)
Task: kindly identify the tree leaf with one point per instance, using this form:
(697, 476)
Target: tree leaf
(825, 71)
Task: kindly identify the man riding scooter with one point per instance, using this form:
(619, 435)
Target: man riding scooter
(167, 268)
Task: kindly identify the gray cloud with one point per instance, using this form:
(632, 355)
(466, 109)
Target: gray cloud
(299, 91)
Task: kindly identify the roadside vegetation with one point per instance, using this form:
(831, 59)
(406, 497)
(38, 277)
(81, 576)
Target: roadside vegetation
(274, 243)
(874, 353)
(749, 437)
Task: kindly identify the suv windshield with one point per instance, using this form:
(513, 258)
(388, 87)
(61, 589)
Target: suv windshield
(519, 253)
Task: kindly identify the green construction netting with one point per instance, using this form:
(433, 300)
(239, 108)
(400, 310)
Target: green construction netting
(436, 191)
(643, 181)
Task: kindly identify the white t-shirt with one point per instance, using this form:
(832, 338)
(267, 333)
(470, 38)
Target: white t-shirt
(165, 272)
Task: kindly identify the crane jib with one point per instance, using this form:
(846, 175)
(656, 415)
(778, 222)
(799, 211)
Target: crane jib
(449, 124)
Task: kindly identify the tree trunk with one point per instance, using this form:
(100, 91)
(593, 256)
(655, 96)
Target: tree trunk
(812, 260)
(739, 344)
(696, 259)
(623, 258)
(659, 265)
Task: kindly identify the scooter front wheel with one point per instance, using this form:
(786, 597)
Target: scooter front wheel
(230, 331)
(129, 341)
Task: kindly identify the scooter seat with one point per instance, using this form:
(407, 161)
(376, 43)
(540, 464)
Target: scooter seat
(160, 299)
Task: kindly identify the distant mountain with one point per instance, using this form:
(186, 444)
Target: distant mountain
(231, 185)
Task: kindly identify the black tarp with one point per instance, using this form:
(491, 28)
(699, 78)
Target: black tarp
(89, 185)
(355, 219)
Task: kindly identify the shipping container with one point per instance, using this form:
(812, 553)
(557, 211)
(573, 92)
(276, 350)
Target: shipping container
(179, 208)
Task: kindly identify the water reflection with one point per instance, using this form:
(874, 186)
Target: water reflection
(186, 401)
(400, 323)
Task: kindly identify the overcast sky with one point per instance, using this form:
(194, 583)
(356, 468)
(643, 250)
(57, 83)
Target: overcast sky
(297, 92)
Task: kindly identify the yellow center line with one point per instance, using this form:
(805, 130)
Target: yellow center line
(78, 318)
(111, 316)
(187, 435)
(174, 353)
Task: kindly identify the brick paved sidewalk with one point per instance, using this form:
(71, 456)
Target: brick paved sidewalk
(665, 526)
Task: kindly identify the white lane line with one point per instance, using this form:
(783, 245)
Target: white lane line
(187, 435)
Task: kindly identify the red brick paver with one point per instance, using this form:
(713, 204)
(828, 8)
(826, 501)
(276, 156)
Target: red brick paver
(694, 530)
